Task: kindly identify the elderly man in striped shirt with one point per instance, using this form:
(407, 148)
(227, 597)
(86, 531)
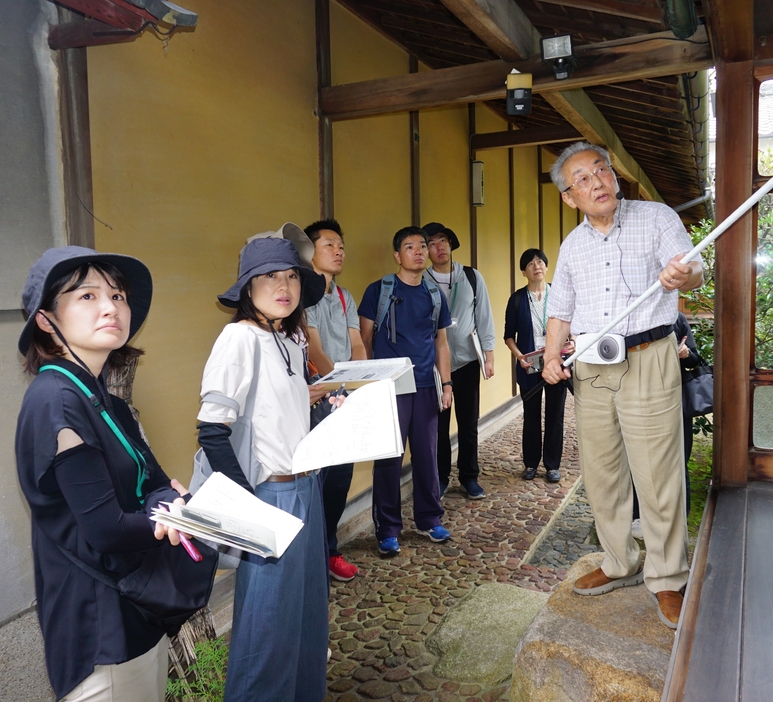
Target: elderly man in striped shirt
(629, 415)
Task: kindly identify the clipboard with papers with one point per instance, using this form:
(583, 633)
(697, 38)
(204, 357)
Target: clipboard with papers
(355, 374)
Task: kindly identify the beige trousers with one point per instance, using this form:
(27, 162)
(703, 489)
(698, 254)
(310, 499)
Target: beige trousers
(629, 425)
(142, 679)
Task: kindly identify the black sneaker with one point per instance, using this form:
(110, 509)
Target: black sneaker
(554, 475)
(529, 474)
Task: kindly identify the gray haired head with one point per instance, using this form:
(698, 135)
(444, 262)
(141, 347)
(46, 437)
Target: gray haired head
(557, 169)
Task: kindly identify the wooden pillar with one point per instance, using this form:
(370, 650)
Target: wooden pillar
(413, 67)
(473, 209)
(734, 267)
(76, 140)
(326, 198)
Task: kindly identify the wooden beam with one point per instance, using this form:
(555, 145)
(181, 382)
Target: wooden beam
(524, 137)
(506, 30)
(578, 109)
(117, 14)
(649, 12)
(598, 64)
(500, 24)
(734, 282)
(731, 28)
(76, 35)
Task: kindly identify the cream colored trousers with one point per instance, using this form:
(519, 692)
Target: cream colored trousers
(629, 425)
(142, 679)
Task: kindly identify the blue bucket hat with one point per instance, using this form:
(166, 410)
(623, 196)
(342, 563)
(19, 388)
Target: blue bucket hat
(267, 254)
(55, 263)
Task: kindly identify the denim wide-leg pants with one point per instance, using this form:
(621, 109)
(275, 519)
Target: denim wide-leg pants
(280, 632)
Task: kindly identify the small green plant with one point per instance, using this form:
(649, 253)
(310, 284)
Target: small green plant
(206, 676)
(699, 466)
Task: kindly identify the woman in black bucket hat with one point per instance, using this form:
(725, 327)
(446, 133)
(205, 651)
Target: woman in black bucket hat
(279, 639)
(90, 493)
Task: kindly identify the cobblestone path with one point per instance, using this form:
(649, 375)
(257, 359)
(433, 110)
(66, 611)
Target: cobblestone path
(379, 621)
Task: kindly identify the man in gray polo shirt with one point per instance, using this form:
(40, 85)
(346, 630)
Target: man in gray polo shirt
(334, 335)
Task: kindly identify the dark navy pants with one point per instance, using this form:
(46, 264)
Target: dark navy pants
(467, 409)
(418, 414)
(336, 481)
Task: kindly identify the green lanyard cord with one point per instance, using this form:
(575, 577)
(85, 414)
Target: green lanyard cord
(138, 458)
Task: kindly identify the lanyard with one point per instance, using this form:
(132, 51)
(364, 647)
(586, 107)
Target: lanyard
(136, 456)
(544, 309)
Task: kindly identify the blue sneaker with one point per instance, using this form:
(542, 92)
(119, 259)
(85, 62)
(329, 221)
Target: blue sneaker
(438, 534)
(473, 490)
(443, 488)
(389, 546)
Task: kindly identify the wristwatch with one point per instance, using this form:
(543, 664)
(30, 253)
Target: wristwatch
(450, 383)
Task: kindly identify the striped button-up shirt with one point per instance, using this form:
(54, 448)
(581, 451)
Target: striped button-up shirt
(598, 275)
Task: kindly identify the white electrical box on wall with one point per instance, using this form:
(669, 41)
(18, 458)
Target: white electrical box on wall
(477, 183)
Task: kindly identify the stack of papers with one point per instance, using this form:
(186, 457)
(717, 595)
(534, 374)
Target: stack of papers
(224, 512)
(365, 428)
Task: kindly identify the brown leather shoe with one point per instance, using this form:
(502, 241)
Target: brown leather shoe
(669, 606)
(597, 583)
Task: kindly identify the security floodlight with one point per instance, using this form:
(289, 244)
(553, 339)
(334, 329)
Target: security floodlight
(558, 50)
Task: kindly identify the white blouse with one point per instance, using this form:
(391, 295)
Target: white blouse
(281, 414)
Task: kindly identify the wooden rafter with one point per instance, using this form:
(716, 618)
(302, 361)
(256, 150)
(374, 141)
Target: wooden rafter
(604, 63)
(500, 24)
(644, 11)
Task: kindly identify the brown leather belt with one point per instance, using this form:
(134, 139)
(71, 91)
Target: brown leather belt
(286, 478)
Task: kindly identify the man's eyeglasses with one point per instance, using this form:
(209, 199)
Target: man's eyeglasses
(584, 182)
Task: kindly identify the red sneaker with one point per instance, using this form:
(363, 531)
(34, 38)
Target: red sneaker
(340, 569)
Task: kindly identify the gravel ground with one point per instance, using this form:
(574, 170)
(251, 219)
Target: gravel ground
(380, 620)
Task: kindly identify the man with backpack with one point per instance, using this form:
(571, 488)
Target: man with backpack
(334, 335)
(402, 315)
(470, 309)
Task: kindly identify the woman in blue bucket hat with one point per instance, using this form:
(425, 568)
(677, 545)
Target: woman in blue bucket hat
(279, 640)
(90, 493)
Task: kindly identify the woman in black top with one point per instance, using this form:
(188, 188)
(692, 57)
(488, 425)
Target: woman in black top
(86, 494)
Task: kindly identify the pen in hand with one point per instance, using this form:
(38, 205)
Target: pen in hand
(192, 551)
(335, 397)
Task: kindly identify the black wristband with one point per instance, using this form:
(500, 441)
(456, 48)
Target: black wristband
(450, 383)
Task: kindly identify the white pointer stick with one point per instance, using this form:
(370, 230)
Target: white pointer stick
(729, 222)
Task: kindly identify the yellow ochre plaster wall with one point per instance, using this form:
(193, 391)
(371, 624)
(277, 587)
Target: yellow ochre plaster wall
(195, 147)
(202, 142)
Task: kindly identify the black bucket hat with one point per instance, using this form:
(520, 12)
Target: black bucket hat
(435, 228)
(55, 263)
(266, 254)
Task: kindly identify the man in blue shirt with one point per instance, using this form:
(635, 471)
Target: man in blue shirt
(409, 329)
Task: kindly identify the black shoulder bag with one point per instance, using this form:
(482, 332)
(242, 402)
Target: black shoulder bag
(169, 586)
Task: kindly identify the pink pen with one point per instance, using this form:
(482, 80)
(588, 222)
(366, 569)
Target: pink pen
(192, 551)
